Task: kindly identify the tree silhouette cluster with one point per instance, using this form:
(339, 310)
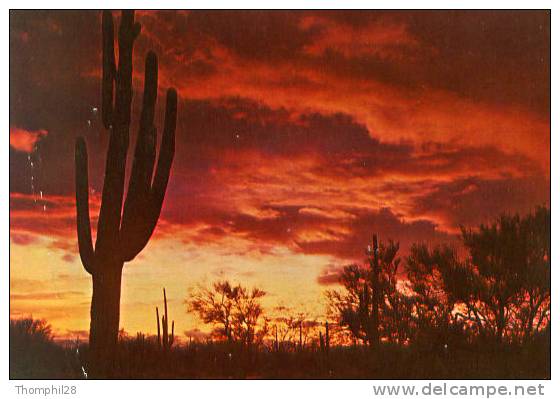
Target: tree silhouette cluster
(498, 292)
(292, 330)
(234, 311)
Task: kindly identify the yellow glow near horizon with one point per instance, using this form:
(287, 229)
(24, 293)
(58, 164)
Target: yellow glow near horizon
(46, 286)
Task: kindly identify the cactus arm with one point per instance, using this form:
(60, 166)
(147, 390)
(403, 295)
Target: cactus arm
(158, 328)
(165, 304)
(172, 338)
(165, 335)
(135, 219)
(131, 247)
(113, 185)
(128, 32)
(165, 159)
(108, 69)
(82, 206)
(165, 323)
(145, 152)
(167, 150)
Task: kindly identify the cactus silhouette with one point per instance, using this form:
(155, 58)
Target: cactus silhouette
(324, 340)
(327, 338)
(120, 237)
(168, 339)
(375, 295)
(276, 344)
(300, 335)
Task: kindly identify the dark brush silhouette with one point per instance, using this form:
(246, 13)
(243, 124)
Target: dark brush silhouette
(140, 357)
(35, 355)
(276, 342)
(504, 284)
(371, 307)
(325, 340)
(435, 323)
(291, 328)
(300, 328)
(168, 338)
(234, 311)
(498, 294)
(120, 237)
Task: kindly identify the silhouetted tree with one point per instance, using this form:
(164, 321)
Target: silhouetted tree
(235, 311)
(293, 329)
(121, 232)
(534, 301)
(30, 330)
(501, 290)
(508, 274)
(355, 307)
(433, 305)
(247, 312)
(351, 307)
(33, 353)
(285, 326)
(214, 306)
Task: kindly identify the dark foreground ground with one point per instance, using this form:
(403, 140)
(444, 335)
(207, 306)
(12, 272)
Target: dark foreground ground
(142, 359)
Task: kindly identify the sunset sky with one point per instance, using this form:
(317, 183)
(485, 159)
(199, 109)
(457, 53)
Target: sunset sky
(299, 135)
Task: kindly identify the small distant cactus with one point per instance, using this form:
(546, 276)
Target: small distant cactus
(327, 338)
(300, 335)
(375, 298)
(324, 340)
(276, 344)
(167, 342)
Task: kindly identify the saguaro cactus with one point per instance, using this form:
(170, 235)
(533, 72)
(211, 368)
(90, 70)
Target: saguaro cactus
(121, 235)
(168, 339)
(373, 335)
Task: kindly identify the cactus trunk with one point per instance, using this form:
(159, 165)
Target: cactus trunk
(104, 325)
(158, 328)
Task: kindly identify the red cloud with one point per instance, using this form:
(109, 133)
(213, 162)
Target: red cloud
(25, 140)
(330, 275)
(23, 239)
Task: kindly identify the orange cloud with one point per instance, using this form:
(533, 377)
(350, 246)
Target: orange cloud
(385, 37)
(52, 215)
(25, 140)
